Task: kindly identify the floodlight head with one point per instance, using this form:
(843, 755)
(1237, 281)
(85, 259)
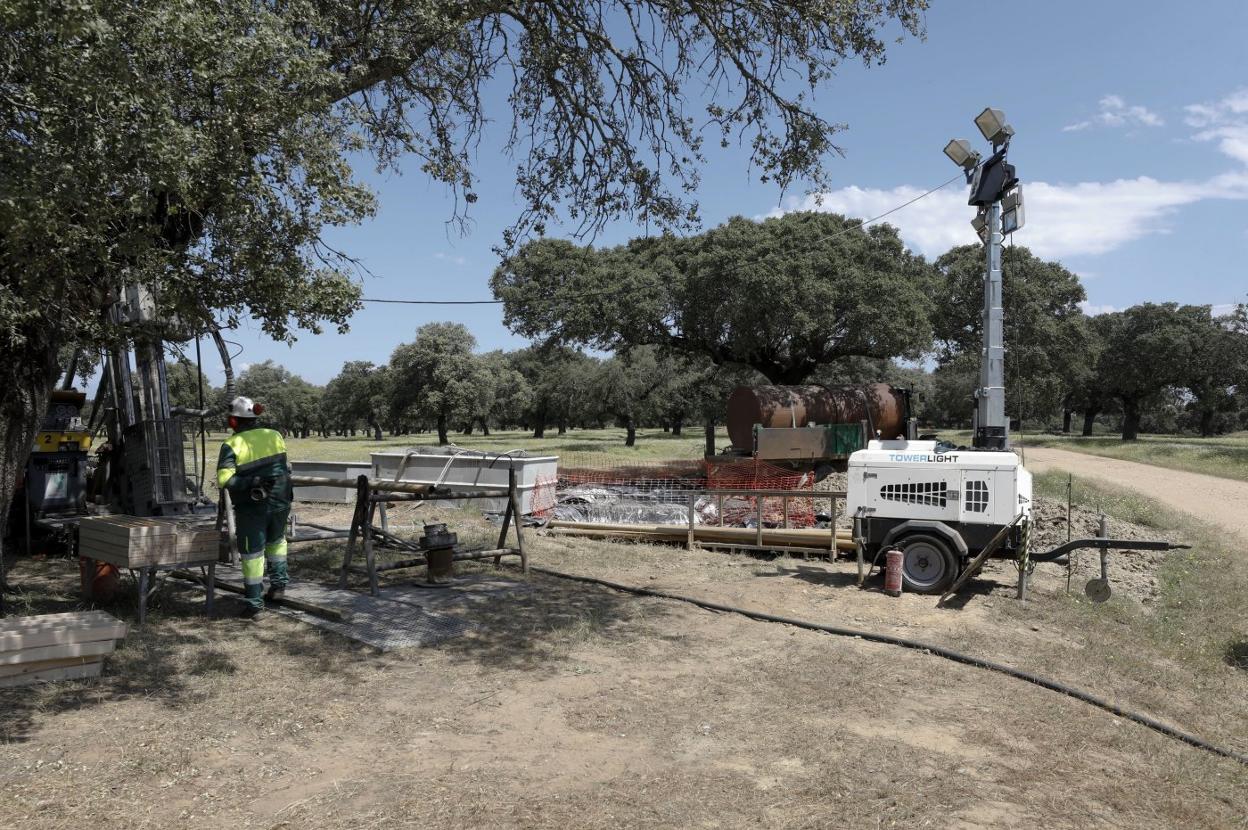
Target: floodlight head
(992, 124)
(980, 224)
(960, 153)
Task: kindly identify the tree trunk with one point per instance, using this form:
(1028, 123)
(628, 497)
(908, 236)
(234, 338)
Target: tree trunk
(1130, 419)
(666, 428)
(710, 436)
(442, 439)
(26, 379)
(485, 427)
(631, 439)
(1089, 418)
(468, 429)
(563, 427)
(1067, 412)
(539, 425)
(677, 426)
(1206, 423)
(376, 428)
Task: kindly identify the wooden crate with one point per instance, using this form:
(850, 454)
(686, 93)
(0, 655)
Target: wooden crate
(69, 646)
(79, 671)
(134, 542)
(21, 633)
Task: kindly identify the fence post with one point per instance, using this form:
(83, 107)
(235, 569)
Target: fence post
(759, 535)
(689, 542)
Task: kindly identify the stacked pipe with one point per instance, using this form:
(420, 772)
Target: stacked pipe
(775, 538)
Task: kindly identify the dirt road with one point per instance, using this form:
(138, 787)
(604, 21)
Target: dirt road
(1220, 501)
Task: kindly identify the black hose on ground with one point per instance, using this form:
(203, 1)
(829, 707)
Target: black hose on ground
(917, 645)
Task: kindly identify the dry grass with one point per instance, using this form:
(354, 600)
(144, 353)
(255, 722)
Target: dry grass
(579, 707)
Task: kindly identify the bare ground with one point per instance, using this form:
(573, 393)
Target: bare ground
(575, 706)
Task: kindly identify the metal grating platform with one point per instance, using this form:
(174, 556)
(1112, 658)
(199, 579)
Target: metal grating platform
(403, 617)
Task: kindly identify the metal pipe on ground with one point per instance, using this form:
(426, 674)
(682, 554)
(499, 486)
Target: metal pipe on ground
(428, 491)
(817, 539)
(463, 556)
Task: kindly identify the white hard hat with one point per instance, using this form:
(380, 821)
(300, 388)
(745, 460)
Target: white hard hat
(242, 407)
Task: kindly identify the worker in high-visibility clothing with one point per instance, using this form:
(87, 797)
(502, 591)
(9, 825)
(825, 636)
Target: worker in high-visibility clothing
(253, 467)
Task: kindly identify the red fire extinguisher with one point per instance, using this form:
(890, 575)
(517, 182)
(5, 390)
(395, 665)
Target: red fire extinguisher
(893, 559)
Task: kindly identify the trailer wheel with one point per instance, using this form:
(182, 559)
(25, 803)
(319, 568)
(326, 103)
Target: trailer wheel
(928, 565)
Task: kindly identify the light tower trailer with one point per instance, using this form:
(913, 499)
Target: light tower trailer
(941, 506)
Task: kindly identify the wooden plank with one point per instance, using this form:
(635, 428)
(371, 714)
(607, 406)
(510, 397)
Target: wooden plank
(179, 561)
(57, 652)
(86, 670)
(187, 533)
(204, 548)
(128, 526)
(19, 669)
(167, 544)
(140, 552)
(55, 629)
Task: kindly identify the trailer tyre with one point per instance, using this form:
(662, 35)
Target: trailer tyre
(928, 565)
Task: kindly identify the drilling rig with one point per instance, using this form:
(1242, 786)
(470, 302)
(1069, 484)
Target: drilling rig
(140, 469)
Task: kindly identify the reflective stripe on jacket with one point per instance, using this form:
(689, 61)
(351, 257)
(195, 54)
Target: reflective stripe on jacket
(252, 452)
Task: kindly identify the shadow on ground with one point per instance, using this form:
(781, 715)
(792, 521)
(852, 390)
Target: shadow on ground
(1237, 655)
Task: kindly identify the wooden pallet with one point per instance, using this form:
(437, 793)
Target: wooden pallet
(56, 646)
(133, 542)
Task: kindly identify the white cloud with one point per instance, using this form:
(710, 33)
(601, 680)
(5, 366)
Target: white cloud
(453, 259)
(1115, 112)
(1093, 310)
(1224, 121)
(1062, 219)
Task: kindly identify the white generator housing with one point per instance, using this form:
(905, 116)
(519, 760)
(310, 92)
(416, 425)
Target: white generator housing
(908, 480)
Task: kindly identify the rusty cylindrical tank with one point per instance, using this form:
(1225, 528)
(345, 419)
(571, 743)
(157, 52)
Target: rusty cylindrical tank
(799, 406)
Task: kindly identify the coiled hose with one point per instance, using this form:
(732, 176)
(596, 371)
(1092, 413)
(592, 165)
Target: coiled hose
(918, 645)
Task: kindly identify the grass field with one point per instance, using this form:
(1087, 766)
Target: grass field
(1201, 620)
(1225, 456)
(652, 444)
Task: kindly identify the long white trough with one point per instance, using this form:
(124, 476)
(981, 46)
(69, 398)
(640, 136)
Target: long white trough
(474, 470)
(329, 469)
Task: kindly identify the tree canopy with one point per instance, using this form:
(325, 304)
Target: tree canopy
(200, 149)
(781, 296)
(436, 377)
(1147, 349)
(291, 404)
(1046, 339)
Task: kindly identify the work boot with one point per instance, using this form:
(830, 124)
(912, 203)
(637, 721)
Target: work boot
(252, 612)
(275, 593)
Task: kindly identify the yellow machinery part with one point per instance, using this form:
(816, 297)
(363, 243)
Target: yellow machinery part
(52, 441)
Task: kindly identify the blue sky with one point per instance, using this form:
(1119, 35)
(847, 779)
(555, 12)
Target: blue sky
(1132, 143)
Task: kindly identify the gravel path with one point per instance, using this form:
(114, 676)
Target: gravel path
(1221, 501)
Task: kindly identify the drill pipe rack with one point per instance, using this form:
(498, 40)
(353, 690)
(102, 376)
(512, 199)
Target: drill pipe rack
(372, 496)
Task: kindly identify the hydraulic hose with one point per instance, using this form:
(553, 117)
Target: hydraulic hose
(918, 645)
